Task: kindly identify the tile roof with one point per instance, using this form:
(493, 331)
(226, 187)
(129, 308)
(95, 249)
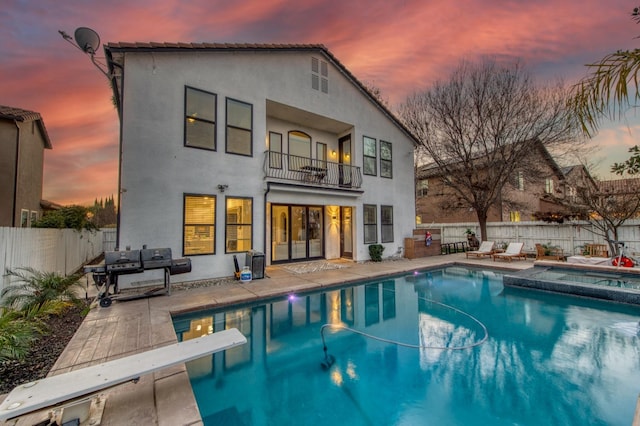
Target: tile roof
(18, 114)
(620, 186)
(23, 115)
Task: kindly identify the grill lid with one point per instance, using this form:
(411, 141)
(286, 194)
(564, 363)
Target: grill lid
(156, 258)
(127, 260)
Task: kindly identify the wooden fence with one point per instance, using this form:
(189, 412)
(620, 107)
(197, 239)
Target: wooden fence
(571, 236)
(47, 250)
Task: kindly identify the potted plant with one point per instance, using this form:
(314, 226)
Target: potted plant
(375, 252)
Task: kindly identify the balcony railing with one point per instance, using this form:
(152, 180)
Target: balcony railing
(312, 172)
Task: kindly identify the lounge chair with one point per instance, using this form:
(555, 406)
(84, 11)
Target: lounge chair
(514, 251)
(485, 249)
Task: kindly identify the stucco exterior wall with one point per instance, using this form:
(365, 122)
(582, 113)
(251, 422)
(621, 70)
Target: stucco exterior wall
(157, 170)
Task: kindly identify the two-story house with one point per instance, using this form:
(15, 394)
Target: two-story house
(227, 148)
(23, 139)
(537, 187)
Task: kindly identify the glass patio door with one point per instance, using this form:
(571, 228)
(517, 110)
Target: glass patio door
(297, 232)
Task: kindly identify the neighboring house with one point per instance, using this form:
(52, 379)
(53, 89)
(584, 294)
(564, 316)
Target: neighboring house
(227, 148)
(538, 188)
(622, 187)
(23, 139)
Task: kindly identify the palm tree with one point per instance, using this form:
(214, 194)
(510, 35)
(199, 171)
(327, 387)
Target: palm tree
(43, 293)
(605, 93)
(16, 334)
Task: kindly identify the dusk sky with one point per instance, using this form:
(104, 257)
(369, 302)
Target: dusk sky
(398, 46)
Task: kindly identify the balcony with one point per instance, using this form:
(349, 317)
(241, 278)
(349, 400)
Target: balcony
(310, 172)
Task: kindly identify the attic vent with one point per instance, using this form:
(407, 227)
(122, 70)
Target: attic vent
(319, 75)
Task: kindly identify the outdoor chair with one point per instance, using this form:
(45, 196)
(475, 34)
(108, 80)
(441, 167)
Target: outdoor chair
(553, 253)
(514, 251)
(596, 250)
(485, 249)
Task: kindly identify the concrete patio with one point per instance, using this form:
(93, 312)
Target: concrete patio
(135, 326)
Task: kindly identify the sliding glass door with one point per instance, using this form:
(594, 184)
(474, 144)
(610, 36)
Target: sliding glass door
(297, 232)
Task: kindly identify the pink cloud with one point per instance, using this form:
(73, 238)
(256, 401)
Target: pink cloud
(399, 47)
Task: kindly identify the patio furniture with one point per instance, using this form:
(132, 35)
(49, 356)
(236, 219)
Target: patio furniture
(513, 251)
(596, 250)
(485, 249)
(552, 253)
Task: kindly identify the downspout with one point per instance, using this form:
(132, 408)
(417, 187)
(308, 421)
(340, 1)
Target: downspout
(118, 102)
(264, 220)
(15, 177)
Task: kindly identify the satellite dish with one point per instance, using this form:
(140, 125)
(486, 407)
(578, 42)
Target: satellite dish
(87, 39)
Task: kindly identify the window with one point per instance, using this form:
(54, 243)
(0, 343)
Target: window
(199, 224)
(299, 150)
(386, 163)
(548, 186)
(319, 75)
(239, 127)
(200, 119)
(275, 150)
(34, 217)
(519, 181)
(514, 216)
(24, 218)
(423, 187)
(370, 224)
(386, 223)
(321, 154)
(239, 225)
(370, 159)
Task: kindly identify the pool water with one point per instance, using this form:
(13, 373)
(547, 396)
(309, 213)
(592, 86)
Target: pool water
(548, 359)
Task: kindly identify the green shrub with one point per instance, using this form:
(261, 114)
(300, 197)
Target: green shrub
(16, 334)
(375, 252)
(37, 291)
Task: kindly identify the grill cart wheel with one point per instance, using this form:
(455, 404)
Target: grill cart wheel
(105, 302)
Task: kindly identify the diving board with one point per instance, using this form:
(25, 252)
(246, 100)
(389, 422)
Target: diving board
(63, 387)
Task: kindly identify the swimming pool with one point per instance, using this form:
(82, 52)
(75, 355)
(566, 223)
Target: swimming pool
(548, 359)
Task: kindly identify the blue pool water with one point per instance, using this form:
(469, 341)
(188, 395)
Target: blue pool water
(548, 359)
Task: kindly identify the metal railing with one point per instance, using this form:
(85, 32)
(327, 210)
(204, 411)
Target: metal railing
(312, 172)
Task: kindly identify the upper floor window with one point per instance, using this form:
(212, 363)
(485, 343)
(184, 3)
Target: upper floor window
(319, 75)
(548, 186)
(239, 127)
(423, 187)
(386, 223)
(299, 150)
(200, 119)
(370, 224)
(239, 225)
(519, 181)
(321, 155)
(370, 159)
(199, 224)
(386, 163)
(275, 150)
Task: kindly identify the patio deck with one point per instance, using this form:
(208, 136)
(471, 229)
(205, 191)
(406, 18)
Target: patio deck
(130, 327)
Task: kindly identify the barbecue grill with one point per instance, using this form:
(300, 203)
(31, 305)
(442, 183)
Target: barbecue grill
(122, 262)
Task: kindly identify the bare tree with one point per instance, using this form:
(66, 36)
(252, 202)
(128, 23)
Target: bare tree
(481, 126)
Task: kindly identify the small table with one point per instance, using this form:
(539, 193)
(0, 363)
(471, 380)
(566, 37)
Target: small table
(313, 173)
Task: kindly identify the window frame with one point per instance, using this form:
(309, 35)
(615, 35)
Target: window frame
(384, 225)
(238, 128)
(548, 186)
(423, 187)
(275, 156)
(367, 225)
(389, 161)
(372, 159)
(194, 118)
(194, 224)
(520, 181)
(239, 224)
(296, 162)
